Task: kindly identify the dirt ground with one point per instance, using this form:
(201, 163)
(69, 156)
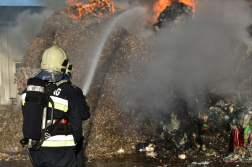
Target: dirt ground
(136, 160)
(129, 164)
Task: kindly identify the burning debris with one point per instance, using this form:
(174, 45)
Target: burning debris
(160, 5)
(96, 7)
(176, 11)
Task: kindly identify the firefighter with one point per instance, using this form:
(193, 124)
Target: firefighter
(58, 148)
(79, 146)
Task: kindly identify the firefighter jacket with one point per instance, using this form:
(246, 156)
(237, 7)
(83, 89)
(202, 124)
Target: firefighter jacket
(68, 106)
(85, 107)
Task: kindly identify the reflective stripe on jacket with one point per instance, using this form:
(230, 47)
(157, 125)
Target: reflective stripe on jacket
(59, 141)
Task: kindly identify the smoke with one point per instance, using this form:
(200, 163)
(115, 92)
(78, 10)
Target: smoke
(29, 24)
(194, 55)
(28, 27)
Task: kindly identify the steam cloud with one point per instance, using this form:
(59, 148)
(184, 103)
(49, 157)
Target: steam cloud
(193, 55)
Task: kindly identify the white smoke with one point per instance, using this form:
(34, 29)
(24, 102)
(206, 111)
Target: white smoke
(30, 24)
(194, 54)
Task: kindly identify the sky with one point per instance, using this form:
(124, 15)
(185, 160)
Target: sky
(21, 2)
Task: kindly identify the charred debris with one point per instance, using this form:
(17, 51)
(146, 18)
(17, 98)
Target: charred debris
(176, 12)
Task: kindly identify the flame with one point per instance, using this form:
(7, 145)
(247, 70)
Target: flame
(189, 3)
(160, 5)
(95, 6)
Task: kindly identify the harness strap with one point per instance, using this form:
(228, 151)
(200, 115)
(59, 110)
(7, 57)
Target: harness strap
(51, 126)
(38, 100)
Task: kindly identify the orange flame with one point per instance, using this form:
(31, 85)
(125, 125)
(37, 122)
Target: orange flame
(95, 6)
(189, 3)
(160, 5)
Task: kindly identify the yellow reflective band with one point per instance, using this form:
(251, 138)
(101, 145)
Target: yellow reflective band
(23, 98)
(82, 133)
(59, 107)
(59, 100)
(56, 106)
(67, 143)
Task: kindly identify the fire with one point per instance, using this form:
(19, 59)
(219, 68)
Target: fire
(160, 5)
(95, 6)
(189, 3)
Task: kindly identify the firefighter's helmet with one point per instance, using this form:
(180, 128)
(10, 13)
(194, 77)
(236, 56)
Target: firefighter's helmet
(55, 59)
(69, 69)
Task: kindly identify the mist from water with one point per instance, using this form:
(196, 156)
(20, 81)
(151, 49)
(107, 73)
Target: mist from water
(99, 49)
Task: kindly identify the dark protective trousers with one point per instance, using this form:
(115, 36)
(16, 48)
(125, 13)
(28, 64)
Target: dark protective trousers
(80, 153)
(53, 157)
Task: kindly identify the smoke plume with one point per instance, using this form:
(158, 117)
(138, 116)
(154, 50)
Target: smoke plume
(194, 55)
(29, 25)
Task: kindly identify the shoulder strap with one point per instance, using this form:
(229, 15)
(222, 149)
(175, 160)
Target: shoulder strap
(61, 82)
(52, 87)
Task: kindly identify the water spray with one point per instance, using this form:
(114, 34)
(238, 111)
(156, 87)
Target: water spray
(101, 45)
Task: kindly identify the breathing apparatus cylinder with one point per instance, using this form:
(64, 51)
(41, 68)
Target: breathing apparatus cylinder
(34, 104)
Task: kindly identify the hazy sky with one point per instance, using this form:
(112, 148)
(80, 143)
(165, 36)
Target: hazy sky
(21, 2)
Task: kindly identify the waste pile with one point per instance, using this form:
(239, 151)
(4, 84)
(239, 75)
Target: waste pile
(10, 130)
(200, 137)
(180, 134)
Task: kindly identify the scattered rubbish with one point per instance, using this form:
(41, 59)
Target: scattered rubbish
(151, 154)
(182, 156)
(204, 147)
(201, 163)
(4, 155)
(142, 146)
(120, 151)
(247, 132)
(150, 147)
